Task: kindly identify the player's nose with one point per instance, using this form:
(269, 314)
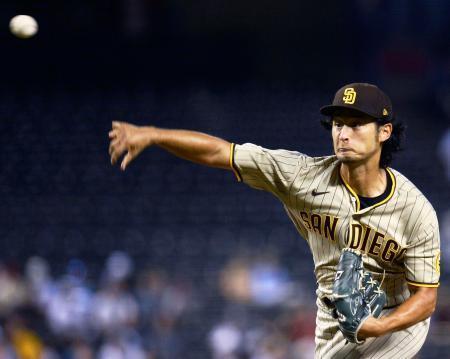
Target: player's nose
(344, 132)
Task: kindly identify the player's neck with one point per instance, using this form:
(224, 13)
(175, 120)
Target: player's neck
(367, 179)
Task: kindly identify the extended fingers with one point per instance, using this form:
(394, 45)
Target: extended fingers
(118, 144)
(116, 149)
(126, 160)
(113, 134)
(113, 145)
(116, 125)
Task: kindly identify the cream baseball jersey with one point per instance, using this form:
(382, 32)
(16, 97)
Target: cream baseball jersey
(399, 235)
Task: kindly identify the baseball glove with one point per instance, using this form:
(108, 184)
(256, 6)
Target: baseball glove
(355, 296)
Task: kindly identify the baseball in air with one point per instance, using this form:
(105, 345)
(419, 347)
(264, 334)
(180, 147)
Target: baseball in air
(23, 26)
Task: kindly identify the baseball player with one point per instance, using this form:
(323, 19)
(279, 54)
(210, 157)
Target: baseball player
(351, 201)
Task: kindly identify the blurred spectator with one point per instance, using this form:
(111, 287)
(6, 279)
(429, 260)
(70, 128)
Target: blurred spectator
(261, 280)
(110, 322)
(79, 349)
(269, 282)
(444, 153)
(162, 304)
(114, 308)
(225, 340)
(13, 292)
(119, 267)
(274, 346)
(39, 281)
(6, 350)
(235, 280)
(25, 342)
(122, 347)
(301, 327)
(68, 308)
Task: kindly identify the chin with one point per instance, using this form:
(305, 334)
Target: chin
(347, 159)
(344, 157)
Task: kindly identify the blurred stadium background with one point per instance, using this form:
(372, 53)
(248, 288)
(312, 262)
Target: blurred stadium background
(172, 260)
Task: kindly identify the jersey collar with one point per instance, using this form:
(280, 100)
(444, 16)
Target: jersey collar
(354, 195)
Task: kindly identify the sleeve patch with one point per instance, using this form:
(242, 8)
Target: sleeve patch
(437, 263)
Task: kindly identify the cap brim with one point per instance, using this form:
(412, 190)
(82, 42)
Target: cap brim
(331, 110)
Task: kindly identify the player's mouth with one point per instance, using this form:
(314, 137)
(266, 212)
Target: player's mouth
(344, 150)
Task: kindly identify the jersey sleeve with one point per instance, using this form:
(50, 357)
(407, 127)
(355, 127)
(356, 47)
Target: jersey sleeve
(264, 169)
(423, 254)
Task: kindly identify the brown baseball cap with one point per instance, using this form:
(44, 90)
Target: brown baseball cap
(362, 98)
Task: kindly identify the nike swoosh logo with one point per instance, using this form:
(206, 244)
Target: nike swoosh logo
(315, 193)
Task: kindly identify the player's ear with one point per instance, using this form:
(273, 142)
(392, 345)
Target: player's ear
(384, 132)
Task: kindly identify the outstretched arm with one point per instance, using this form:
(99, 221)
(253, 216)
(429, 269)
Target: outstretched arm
(198, 147)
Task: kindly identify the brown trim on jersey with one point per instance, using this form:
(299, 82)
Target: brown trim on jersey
(355, 195)
(352, 192)
(233, 165)
(394, 185)
(428, 285)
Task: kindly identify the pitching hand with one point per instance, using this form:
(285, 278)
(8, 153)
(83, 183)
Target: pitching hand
(129, 139)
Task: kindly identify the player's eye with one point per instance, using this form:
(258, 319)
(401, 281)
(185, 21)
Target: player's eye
(337, 124)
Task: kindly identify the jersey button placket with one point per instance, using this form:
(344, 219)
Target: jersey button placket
(354, 203)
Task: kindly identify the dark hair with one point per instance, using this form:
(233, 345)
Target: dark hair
(390, 146)
(393, 143)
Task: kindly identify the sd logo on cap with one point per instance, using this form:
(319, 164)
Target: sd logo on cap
(349, 96)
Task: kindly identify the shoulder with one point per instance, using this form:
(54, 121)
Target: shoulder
(405, 187)
(301, 159)
(412, 197)
(251, 148)
(249, 155)
(324, 161)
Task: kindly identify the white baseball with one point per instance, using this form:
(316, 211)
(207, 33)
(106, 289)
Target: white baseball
(23, 26)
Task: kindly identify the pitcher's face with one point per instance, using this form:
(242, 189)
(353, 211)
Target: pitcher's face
(357, 138)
